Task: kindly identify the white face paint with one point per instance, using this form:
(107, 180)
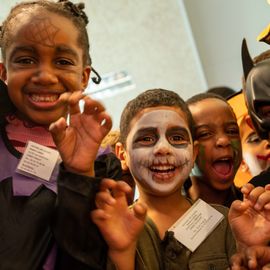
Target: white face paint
(160, 150)
(255, 166)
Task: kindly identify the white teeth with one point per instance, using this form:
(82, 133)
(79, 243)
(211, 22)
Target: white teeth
(224, 159)
(43, 98)
(162, 167)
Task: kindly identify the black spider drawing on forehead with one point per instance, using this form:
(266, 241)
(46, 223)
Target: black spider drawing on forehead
(42, 31)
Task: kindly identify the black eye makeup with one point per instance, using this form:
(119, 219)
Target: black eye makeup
(178, 137)
(148, 137)
(145, 137)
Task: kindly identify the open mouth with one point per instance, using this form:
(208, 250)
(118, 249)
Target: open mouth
(223, 167)
(163, 172)
(162, 168)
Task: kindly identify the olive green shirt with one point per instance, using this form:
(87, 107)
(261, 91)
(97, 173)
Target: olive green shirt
(169, 254)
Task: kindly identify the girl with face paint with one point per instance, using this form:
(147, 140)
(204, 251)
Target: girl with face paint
(219, 156)
(156, 144)
(256, 151)
(45, 67)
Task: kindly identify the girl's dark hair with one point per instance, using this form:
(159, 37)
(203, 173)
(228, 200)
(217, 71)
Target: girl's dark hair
(73, 12)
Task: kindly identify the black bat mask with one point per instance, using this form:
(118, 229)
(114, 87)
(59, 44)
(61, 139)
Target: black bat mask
(257, 91)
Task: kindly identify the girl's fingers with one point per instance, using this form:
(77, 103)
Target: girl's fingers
(58, 129)
(92, 106)
(73, 102)
(65, 97)
(104, 121)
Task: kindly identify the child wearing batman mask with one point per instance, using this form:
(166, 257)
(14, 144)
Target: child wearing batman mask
(256, 89)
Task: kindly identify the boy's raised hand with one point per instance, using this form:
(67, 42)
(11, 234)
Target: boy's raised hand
(119, 224)
(250, 218)
(78, 142)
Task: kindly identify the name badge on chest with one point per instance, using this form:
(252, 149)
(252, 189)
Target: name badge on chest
(38, 161)
(196, 224)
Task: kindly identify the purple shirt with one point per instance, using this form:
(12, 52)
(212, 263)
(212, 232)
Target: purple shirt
(25, 186)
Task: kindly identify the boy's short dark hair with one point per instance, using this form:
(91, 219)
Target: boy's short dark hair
(201, 96)
(223, 91)
(148, 99)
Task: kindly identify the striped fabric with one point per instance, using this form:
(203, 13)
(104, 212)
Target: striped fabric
(19, 132)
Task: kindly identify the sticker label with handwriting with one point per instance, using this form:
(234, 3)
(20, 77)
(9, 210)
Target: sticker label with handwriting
(196, 224)
(38, 161)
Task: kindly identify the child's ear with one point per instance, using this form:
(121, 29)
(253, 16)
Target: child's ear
(121, 154)
(86, 76)
(3, 72)
(195, 150)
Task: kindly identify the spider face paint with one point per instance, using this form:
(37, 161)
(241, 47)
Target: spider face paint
(159, 149)
(43, 62)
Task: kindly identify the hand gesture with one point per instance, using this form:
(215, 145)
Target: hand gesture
(250, 218)
(119, 224)
(252, 258)
(78, 142)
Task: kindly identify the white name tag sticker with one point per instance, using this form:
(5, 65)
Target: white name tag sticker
(38, 161)
(196, 224)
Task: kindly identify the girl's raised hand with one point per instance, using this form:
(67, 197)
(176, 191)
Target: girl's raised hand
(78, 142)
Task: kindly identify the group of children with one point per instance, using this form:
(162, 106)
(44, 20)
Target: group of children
(66, 211)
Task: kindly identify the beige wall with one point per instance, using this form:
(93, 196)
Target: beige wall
(149, 39)
(218, 27)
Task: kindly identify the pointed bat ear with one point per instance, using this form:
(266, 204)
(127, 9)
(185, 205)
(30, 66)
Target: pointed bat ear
(247, 61)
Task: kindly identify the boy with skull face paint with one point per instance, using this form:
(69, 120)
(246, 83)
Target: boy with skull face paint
(156, 144)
